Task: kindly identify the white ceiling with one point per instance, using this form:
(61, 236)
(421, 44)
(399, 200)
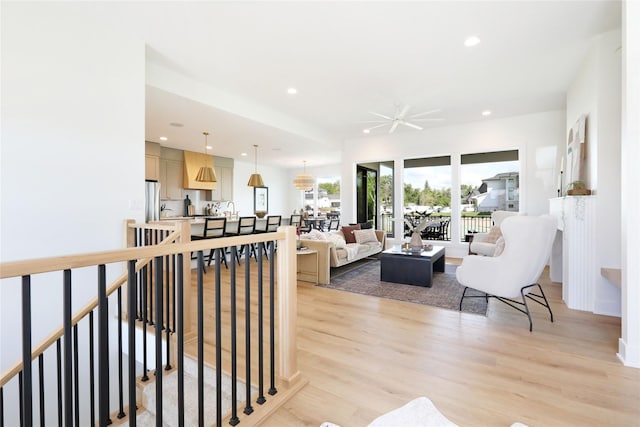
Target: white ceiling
(349, 58)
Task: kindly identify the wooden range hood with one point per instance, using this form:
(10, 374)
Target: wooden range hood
(192, 164)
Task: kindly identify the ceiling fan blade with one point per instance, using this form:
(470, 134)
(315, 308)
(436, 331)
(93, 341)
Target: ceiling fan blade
(372, 121)
(411, 125)
(404, 111)
(425, 113)
(376, 127)
(427, 120)
(394, 126)
(381, 115)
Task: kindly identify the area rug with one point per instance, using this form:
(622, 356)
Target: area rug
(445, 292)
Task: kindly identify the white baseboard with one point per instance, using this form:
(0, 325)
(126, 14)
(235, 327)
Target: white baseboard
(629, 355)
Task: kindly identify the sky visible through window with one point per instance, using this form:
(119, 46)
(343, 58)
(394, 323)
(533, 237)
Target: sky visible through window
(439, 177)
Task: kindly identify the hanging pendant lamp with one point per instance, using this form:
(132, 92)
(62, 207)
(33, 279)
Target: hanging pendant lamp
(304, 181)
(255, 180)
(206, 173)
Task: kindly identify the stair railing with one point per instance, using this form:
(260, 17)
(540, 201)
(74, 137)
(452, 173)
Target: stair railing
(74, 406)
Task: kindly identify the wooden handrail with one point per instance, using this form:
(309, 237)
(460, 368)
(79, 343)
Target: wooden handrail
(144, 254)
(46, 265)
(90, 306)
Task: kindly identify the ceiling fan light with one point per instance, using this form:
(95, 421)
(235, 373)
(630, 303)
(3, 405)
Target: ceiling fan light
(304, 182)
(206, 174)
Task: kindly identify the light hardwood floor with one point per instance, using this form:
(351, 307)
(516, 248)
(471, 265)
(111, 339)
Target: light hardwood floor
(364, 356)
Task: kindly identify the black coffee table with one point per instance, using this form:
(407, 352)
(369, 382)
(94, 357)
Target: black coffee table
(411, 268)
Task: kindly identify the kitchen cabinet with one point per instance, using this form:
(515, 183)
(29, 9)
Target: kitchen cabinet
(151, 168)
(224, 187)
(224, 173)
(171, 178)
(151, 161)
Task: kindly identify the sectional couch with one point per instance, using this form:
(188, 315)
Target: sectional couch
(334, 250)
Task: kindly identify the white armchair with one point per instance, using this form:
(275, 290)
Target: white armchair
(485, 243)
(513, 274)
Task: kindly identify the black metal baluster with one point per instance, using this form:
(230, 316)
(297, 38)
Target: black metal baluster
(234, 374)
(261, 399)
(68, 376)
(272, 311)
(137, 243)
(76, 375)
(21, 399)
(92, 375)
(200, 302)
(103, 348)
(166, 319)
(158, 267)
(27, 386)
(173, 261)
(1, 406)
(145, 377)
(131, 323)
(59, 373)
(121, 413)
(149, 317)
(218, 310)
(180, 330)
(41, 387)
(247, 329)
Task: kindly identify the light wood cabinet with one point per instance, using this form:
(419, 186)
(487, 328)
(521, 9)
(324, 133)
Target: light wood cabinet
(224, 187)
(171, 178)
(151, 168)
(151, 161)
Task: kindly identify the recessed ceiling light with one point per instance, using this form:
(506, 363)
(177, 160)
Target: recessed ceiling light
(292, 91)
(163, 138)
(243, 154)
(486, 113)
(366, 130)
(471, 41)
(175, 124)
(209, 147)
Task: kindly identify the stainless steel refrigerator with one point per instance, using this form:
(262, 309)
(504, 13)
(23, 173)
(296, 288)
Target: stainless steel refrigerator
(152, 201)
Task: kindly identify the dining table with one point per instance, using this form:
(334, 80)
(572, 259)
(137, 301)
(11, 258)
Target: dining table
(316, 222)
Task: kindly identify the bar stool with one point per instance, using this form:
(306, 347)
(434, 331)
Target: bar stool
(214, 228)
(246, 226)
(272, 224)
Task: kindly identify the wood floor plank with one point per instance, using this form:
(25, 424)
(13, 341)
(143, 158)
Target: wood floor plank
(365, 356)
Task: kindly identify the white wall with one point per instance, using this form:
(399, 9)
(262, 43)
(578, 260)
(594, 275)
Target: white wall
(629, 344)
(274, 178)
(536, 136)
(595, 92)
(72, 150)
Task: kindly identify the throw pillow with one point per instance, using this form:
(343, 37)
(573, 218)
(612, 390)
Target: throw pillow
(348, 230)
(365, 236)
(494, 234)
(499, 247)
(337, 239)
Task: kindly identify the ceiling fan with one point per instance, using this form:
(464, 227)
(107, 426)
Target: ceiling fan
(400, 118)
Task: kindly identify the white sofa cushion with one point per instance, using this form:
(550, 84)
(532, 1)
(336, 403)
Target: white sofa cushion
(365, 236)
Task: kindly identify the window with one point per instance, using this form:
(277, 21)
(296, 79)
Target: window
(488, 182)
(427, 192)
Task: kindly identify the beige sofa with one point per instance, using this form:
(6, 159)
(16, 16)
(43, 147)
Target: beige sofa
(332, 253)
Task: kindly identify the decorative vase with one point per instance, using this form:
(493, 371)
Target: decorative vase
(416, 242)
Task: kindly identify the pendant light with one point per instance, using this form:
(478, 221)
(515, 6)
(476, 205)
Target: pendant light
(255, 180)
(303, 181)
(206, 173)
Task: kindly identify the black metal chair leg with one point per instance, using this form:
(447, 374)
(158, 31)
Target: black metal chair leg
(463, 294)
(546, 303)
(526, 309)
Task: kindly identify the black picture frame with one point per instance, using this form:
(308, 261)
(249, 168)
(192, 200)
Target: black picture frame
(260, 199)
